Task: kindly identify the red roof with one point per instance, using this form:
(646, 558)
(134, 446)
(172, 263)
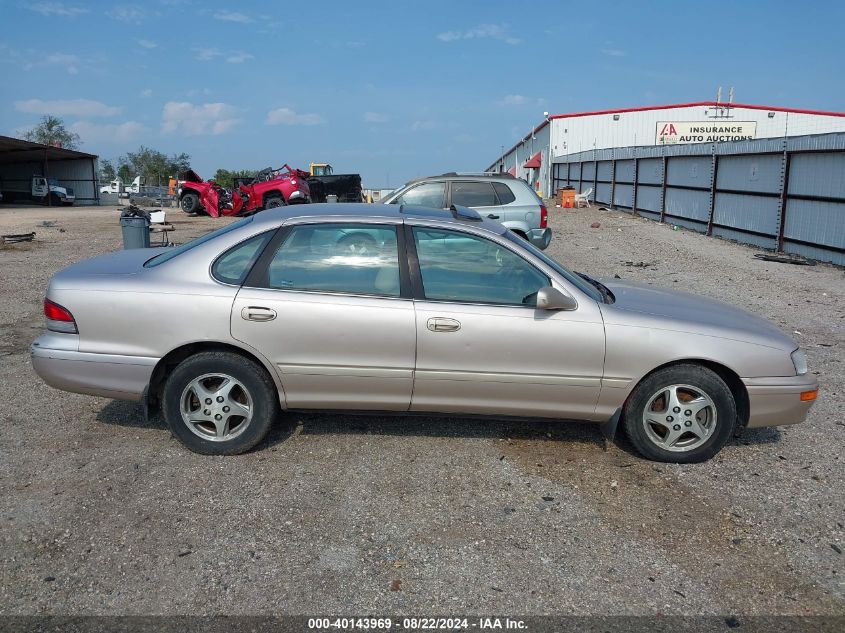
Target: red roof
(512, 171)
(533, 162)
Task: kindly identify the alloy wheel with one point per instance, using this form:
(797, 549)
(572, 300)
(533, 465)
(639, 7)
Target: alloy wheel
(216, 407)
(679, 418)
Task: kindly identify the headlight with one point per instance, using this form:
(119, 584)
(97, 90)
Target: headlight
(799, 359)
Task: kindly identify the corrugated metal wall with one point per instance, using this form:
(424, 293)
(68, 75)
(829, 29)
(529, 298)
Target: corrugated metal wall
(79, 174)
(783, 194)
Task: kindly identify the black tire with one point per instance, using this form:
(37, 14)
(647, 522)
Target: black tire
(190, 203)
(254, 381)
(274, 201)
(700, 379)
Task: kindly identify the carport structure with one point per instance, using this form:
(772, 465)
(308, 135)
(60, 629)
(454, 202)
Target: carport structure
(21, 160)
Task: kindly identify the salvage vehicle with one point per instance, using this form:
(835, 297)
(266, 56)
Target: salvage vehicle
(270, 188)
(407, 309)
(499, 197)
(117, 186)
(323, 183)
(41, 190)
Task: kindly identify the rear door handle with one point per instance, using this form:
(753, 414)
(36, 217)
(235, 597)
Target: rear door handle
(258, 313)
(492, 216)
(440, 324)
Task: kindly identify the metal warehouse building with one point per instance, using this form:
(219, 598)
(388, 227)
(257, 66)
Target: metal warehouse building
(685, 123)
(21, 160)
(769, 176)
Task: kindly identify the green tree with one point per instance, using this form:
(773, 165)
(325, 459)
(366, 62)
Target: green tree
(226, 178)
(153, 166)
(107, 170)
(52, 131)
(124, 173)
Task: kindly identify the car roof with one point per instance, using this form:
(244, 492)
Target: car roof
(452, 175)
(360, 211)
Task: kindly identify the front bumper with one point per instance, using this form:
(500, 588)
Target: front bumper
(297, 196)
(541, 238)
(107, 375)
(777, 401)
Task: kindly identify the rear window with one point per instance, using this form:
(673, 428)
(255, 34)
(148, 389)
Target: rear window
(504, 192)
(175, 252)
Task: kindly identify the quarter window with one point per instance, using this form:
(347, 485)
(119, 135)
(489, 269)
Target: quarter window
(504, 192)
(232, 267)
(460, 267)
(347, 258)
(427, 194)
(473, 194)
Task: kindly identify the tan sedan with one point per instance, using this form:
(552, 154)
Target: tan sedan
(396, 308)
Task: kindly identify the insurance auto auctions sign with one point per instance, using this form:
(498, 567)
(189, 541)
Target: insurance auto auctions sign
(675, 132)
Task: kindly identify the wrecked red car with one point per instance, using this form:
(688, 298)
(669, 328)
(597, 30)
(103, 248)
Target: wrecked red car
(270, 188)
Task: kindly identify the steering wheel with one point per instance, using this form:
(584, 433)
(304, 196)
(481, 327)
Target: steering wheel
(358, 243)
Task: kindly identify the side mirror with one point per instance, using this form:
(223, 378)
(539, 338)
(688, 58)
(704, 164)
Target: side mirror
(553, 299)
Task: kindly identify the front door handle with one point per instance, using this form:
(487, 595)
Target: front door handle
(258, 313)
(492, 216)
(440, 324)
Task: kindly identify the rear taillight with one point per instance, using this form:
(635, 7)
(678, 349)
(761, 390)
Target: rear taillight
(544, 217)
(59, 318)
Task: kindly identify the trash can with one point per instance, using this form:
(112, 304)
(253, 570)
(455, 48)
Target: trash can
(135, 226)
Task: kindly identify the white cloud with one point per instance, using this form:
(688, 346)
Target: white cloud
(147, 92)
(492, 31)
(127, 13)
(107, 133)
(416, 126)
(192, 120)
(68, 107)
(149, 44)
(56, 8)
(375, 117)
(287, 116)
(232, 16)
(206, 54)
(613, 52)
(515, 100)
(69, 62)
(239, 57)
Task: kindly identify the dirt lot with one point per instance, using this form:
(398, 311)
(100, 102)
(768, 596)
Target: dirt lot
(103, 513)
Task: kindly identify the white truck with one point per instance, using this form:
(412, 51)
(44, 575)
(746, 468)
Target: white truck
(117, 186)
(41, 189)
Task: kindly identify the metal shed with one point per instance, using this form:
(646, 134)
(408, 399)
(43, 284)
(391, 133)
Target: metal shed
(21, 160)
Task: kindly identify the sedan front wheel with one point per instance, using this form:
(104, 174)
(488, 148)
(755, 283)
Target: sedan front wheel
(683, 414)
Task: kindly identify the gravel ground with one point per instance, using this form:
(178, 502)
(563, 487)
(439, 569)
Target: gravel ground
(102, 513)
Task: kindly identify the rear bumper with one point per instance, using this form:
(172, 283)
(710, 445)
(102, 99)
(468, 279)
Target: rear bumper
(541, 238)
(106, 375)
(777, 401)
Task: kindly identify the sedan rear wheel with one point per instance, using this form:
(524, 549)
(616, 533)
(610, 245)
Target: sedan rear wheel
(683, 414)
(219, 403)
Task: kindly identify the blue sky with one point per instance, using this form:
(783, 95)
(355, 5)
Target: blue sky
(396, 89)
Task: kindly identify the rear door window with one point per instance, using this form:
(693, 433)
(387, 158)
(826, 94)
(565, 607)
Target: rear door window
(473, 194)
(338, 258)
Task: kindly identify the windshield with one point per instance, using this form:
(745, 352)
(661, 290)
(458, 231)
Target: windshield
(175, 252)
(567, 274)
